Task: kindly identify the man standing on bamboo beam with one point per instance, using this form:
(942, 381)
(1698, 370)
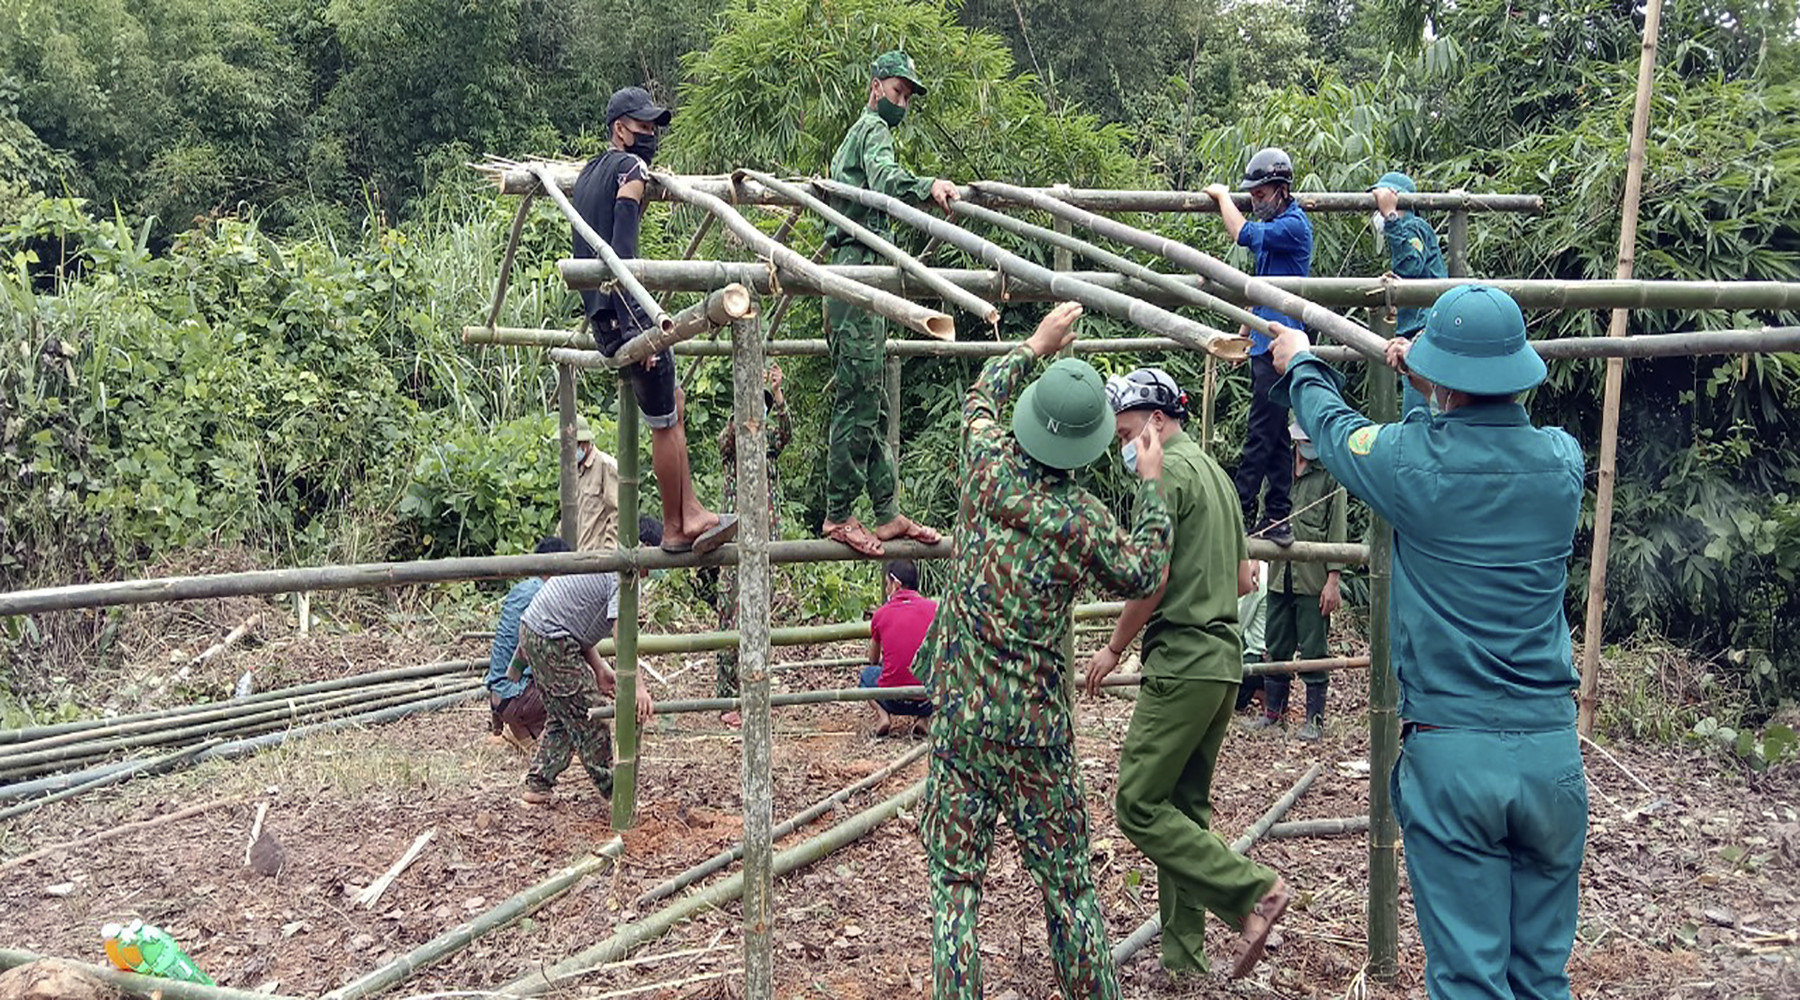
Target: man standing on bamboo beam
(780, 433)
(1281, 240)
(858, 457)
(609, 194)
(1193, 662)
(1027, 539)
(1489, 788)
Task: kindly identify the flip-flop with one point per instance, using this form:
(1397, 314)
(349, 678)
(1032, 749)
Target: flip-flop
(854, 536)
(914, 532)
(1252, 944)
(676, 547)
(717, 535)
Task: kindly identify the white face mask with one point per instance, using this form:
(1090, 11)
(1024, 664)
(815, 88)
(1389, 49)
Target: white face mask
(1379, 222)
(1129, 455)
(1431, 401)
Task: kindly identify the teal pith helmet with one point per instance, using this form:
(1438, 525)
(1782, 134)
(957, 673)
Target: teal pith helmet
(1397, 182)
(1474, 342)
(1063, 419)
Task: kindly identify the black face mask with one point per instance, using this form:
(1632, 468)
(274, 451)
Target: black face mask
(643, 145)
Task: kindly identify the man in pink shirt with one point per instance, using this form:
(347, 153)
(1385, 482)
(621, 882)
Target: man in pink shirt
(895, 632)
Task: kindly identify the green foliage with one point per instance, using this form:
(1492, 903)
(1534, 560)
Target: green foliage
(482, 491)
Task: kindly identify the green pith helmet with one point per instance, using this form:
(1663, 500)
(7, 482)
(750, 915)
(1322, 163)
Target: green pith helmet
(898, 63)
(1063, 419)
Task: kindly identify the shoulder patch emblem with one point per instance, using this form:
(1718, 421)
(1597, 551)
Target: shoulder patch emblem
(1417, 244)
(1362, 440)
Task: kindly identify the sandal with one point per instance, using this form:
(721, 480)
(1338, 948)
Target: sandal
(1254, 937)
(852, 534)
(717, 535)
(908, 529)
(676, 546)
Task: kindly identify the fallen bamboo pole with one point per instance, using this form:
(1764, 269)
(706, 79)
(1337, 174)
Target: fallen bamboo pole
(394, 574)
(133, 985)
(522, 904)
(910, 314)
(517, 179)
(116, 831)
(1060, 284)
(634, 289)
(966, 301)
(724, 858)
(1339, 827)
(149, 766)
(1149, 929)
(1310, 314)
(540, 981)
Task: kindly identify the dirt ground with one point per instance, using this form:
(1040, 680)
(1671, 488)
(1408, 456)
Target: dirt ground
(1690, 889)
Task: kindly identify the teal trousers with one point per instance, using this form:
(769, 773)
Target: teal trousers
(1495, 826)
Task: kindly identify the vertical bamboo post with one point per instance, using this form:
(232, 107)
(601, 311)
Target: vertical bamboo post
(1458, 264)
(1384, 720)
(753, 658)
(570, 493)
(625, 630)
(1209, 389)
(1594, 623)
(893, 417)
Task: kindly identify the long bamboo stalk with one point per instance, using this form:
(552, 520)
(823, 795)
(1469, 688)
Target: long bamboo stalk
(525, 336)
(1593, 626)
(117, 831)
(518, 179)
(133, 985)
(723, 859)
(652, 309)
(1257, 290)
(625, 630)
(1134, 310)
(567, 456)
(1338, 827)
(506, 259)
(966, 301)
(149, 766)
(540, 981)
(1306, 666)
(1383, 928)
(829, 662)
(351, 577)
(238, 748)
(1149, 929)
(521, 904)
(927, 321)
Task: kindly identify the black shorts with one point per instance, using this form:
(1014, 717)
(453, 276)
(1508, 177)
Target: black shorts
(655, 388)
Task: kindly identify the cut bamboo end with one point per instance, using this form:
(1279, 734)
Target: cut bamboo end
(942, 327)
(733, 302)
(1231, 349)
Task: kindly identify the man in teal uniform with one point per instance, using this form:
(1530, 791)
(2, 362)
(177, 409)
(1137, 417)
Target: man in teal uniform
(857, 456)
(1192, 665)
(1028, 540)
(1413, 252)
(1489, 789)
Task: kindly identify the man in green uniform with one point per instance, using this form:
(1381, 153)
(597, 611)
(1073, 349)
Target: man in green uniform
(1028, 539)
(858, 459)
(1192, 665)
(781, 431)
(1302, 596)
(1413, 252)
(1489, 789)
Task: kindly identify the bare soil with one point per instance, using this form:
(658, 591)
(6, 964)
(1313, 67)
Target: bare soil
(1693, 897)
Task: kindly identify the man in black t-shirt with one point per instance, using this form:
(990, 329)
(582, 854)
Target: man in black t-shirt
(609, 194)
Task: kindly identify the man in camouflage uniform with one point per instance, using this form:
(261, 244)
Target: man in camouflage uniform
(1027, 540)
(775, 403)
(566, 620)
(858, 456)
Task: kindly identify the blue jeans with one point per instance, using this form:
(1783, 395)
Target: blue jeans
(871, 674)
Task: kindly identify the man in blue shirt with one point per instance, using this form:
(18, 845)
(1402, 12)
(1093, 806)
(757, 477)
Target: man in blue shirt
(1489, 789)
(1281, 239)
(517, 708)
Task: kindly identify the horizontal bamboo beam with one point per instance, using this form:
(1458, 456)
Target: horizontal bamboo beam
(1340, 827)
(1534, 293)
(517, 180)
(399, 574)
(133, 985)
(910, 314)
(652, 309)
(1144, 315)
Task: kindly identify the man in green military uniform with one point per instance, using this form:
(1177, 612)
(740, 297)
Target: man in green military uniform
(1413, 252)
(1302, 596)
(1028, 539)
(1192, 665)
(857, 458)
(781, 431)
(1489, 789)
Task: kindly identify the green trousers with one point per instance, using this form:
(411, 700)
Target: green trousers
(972, 784)
(857, 456)
(569, 690)
(1495, 827)
(1296, 631)
(1164, 806)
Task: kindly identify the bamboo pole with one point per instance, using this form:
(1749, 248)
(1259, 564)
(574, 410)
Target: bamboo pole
(892, 389)
(525, 336)
(723, 859)
(1339, 827)
(829, 662)
(506, 259)
(133, 985)
(522, 904)
(909, 314)
(351, 577)
(1594, 626)
(754, 583)
(625, 630)
(1352, 292)
(149, 766)
(652, 309)
(1136, 311)
(1384, 721)
(1306, 666)
(722, 307)
(540, 981)
(1458, 263)
(964, 300)
(518, 178)
(1257, 290)
(1149, 929)
(567, 472)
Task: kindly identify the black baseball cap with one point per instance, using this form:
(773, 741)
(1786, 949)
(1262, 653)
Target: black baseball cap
(636, 102)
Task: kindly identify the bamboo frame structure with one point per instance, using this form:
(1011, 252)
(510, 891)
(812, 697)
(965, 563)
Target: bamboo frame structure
(653, 310)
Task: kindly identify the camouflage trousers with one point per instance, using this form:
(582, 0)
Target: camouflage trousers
(972, 784)
(857, 453)
(726, 660)
(569, 689)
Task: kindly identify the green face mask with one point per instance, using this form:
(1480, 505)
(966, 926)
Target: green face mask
(890, 112)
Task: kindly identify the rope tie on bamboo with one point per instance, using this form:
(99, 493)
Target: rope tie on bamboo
(1392, 312)
(774, 275)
